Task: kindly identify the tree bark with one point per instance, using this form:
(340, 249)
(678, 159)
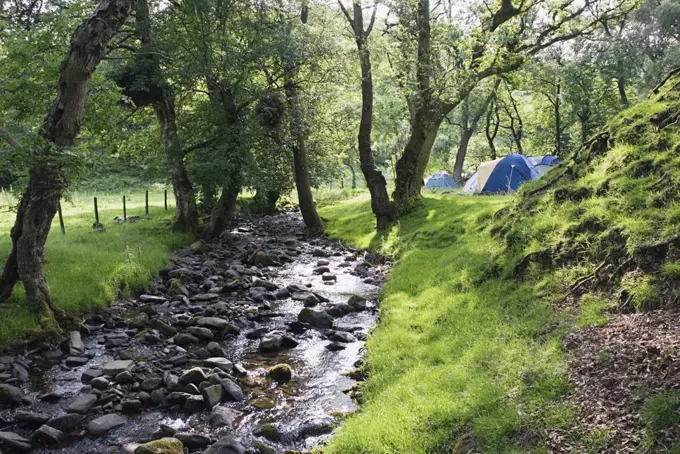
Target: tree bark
(490, 132)
(354, 175)
(224, 209)
(300, 166)
(558, 121)
(465, 137)
(186, 216)
(47, 178)
(381, 205)
(265, 200)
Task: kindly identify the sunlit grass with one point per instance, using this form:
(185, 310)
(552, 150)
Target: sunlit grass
(85, 269)
(457, 355)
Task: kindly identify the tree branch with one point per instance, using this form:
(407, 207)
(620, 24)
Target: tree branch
(5, 136)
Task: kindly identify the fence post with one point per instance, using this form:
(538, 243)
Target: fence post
(165, 199)
(96, 214)
(147, 202)
(61, 220)
(124, 211)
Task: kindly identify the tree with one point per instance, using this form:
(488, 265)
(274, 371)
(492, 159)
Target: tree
(383, 208)
(48, 175)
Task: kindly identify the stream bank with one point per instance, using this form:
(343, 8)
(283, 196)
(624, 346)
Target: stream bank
(243, 345)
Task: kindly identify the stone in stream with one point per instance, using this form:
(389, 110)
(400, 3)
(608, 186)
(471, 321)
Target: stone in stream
(124, 377)
(226, 445)
(76, 346)
(152, 299)
(263, 403)
(201, 333)
(193, 440)
(131, 406)
(82, 404)
(162, 446)
(232, 391)
(104, 424)
(194, 404)
(215, 349)
(261, 258)
(157, 397)
(329, 277)
(90, 375)
(114, 368)
(163, 327)
(322, 262)
(358, 303)
(183, 339)
(31, 417)
(11, 395)
(19, 372)
(335, 346)
(48, 435)
(192, 376)
(319, 253)
(265, 284)
(219, 323)
(212, 395)
(100, 383)
(67, 422)
(321, 270)
(221, 363)
(268, 431)
(317, 319)
(339, 310)
(311, 300)
(224, 416)
(342, 336)
(15, 441)
(151, 384)
(280, 373)
(257, 333)
(76, 361)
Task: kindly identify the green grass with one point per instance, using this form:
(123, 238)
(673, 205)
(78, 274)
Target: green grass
(86, 270)
(456, 353)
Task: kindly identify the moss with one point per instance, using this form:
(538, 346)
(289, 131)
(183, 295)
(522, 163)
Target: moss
(175, 287)
(162, 446)
(280, 373)
(263, 403)
(262, 448)
(268, 431)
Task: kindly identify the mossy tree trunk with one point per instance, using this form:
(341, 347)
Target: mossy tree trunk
(48, 177)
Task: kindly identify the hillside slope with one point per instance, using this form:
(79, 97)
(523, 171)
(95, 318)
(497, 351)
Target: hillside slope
(540, 323)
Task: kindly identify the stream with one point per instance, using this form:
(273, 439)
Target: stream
(245, 345)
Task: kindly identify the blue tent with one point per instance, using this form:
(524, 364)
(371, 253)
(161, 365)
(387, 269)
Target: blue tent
(440, 180)
(546, 160)
(502, 175)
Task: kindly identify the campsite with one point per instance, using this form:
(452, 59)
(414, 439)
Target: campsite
(339, 227)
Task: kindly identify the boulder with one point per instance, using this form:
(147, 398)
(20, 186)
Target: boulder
(221, 363)
(162, 446)
(183, 339)
(226, 445)
(193, 440)
(114, 368)
(317, 319)
(193, 376)
(224, 416)
(76, 361)
(76, 346)
(163, 327)
(15, 441)
(31, 417)
(11, 395)
(212, 395)
(200, 332)
(358, 303)
(47, 435)
(67, 422)
(82, 404)
(232, 391)
(104, 424)
(261, 258)
(280, 373)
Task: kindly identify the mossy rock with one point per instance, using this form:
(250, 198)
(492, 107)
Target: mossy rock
(262, 448)
(263, 403)
(280, 373)
(162, 446)
(268, 431)
(176, 287)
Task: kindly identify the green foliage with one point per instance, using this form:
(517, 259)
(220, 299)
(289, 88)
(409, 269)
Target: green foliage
(593, 311)
(660, 410)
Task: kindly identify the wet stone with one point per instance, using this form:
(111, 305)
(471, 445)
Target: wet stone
(263, 403)
(317, 319)
(151, 384)
(124, 377)
(114, 368)
(215, 349)
(183, 339)
(212, 395)
(162, 446)
(82, 404)
(336, 346)
(224, 416)
(31, 417)
(76, 344)
(152, 299)
(67, 422)
(76, 361)
(11, 395)
(48, 435)
(15, 441)
(104, 424)
(201, 333)
(194, 404)
(232, 391)
(221, 363)
(192, 376)
(192, 440)
(329, 277)
(132, 406)
(90, 374)
(341, 336)
(227, 445)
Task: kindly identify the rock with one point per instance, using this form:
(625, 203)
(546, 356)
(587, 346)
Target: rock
(15, 441)
(48, 435)
(257, 333)
(162, 446)
(151, 384)
(193, 440)
(158, 397)
(11, 395)
(194, 404)
(124, 377)
(268, 431)
(114, 368)
(232, 391)
(183, 339)
(311, 300)
(321, 270)
(76, 361)
(201, 333)
(212, 395)
(67, 422)
(271, 342)
(132, 406)
(76, 346)
(90, 375)
(221, 363)
(226, 445)
(335, 346)
(104, 424)
(152, 299)
(280, 373)
(100, 383)
(193, 376)
(317, 319)
(263, 403)
(224, 416)
(31, 417)
(261, 258)
(219, 323)
(265, 284)
(202, 297)
(322, 262)
(319, 253)
(82, 404)
(198, 246)
(138, 321)
(329, 277)
(341, 336)
(340, 310)
(215, 349)
(358, 303)
(163, 327)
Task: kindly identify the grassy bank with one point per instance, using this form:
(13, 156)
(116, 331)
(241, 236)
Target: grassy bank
(459, 361)
(86, 270)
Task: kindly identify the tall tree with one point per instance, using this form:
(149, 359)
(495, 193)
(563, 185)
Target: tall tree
(48, 175)
(383, 208)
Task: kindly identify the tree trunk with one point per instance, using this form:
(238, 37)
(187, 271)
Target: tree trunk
(297, 130)
(186, 217)
(224, 209)
(47, 179)
(491, 133)
(465, 136)
(265, 200)
(354, 175)
(558, 121)
(620, 83)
